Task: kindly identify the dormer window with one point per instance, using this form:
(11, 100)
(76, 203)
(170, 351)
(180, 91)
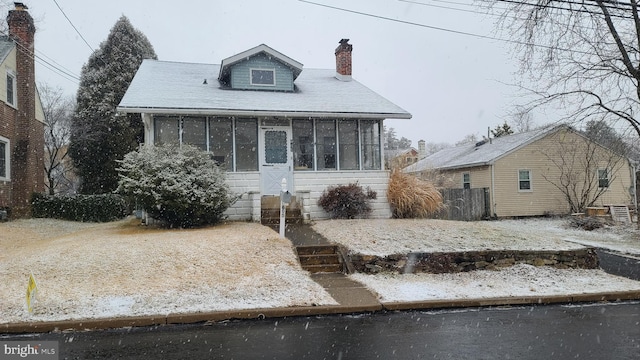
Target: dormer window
(263, 77)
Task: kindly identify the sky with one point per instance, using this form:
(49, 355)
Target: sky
(412, 53)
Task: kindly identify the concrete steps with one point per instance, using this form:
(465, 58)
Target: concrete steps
(320, 258)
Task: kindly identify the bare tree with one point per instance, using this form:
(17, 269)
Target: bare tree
(581, 56)
(522, 120)
(58, 110)
(580, 169)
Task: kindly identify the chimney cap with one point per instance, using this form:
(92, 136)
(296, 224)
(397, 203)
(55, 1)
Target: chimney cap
(20, 6)
(343, 41)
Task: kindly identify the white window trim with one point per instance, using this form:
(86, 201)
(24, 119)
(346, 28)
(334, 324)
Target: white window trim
(608, 178)
(13, 104)
(7, 153)
(530, 189)
(466, 182)
(273, 70)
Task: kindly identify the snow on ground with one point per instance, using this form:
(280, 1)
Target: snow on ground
(386, 237)
(88, 270)
(515, 281)
(124, 269)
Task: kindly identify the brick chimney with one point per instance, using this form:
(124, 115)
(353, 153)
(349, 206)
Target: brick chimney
(27, 158)
(343, 60)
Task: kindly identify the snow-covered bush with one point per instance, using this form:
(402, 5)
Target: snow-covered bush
(181, 186)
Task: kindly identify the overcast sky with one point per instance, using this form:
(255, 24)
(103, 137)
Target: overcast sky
(452, 84)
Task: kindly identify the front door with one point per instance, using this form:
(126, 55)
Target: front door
(275, 159)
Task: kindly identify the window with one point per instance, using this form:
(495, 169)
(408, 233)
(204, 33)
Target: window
(194, 132)
(370, 132)
(348, 140)
(4, 159)
(221, 142)
(303, 144)
(11, 88)
(466, 181)
(603, 178)
(246, 145)
(326, 144)
(524, 180)
(263, 77)
(167, 130)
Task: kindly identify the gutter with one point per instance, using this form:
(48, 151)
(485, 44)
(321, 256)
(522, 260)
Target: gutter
(254, 113)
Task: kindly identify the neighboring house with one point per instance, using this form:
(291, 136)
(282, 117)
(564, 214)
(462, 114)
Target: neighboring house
(263, 118)
(400, 158)
(21, 116)
(520, 171)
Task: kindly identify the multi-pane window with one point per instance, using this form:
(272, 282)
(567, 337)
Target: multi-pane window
(4, 159)
(246, 135)
(303, 144)
(11, 89)
(466, 181)
(524, 180)
(603, 178)
(221, 141)
(321, 144)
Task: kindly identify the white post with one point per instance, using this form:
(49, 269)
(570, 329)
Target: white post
(283, 209)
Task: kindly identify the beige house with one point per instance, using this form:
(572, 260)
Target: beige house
(547, 171)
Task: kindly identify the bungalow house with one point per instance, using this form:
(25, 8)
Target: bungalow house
(400, 158)
(21, 117)
(530, 173)
(264, 119)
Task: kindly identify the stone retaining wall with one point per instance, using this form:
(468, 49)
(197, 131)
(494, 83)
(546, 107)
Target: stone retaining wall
(451, 262)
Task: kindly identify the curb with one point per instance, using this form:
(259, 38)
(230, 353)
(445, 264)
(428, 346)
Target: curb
(174, 319)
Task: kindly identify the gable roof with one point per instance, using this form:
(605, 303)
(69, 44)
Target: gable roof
(225, 66)
(6, 45)
(163, 87)
(482, 153)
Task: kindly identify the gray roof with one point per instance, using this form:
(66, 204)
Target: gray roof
(480, 154)
(174, 87)
(6, 45)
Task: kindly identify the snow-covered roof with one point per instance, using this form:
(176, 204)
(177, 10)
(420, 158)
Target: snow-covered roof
(226, 64)
(483, 153)
(190, 88)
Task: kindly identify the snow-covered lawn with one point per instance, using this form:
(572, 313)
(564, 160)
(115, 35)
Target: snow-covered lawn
(124, 269)
(386, 237)
(399, 236)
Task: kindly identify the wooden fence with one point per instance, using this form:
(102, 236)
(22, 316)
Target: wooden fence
(464, 204)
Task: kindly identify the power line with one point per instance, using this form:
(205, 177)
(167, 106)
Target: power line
(478, 36)
(73, 26)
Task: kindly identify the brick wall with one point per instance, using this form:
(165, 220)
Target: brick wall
(27, 153)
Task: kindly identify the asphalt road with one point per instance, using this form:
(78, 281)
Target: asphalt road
(619, 265)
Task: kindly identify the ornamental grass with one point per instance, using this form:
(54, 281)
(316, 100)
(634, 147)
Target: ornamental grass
(411, 197)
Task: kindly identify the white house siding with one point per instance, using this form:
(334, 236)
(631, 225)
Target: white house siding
(309, 186)
(248, 206)
(314, 183)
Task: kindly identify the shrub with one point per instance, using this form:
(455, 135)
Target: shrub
(347, 201)
(411, 197)
(587, 223)
(92, 208)
(181, 186)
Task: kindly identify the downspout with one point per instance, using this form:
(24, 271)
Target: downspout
(493, 188)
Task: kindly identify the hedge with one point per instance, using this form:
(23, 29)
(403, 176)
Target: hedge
(88, 208)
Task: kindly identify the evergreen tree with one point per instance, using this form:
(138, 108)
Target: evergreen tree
(99, 135)
(502, 130)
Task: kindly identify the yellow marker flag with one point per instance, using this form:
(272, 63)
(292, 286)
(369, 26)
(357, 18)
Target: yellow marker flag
(32, 289)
